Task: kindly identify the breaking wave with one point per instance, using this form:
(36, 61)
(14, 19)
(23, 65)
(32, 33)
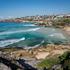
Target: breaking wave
(11, 32)
(35, 46)
(8, 42)
(29, 25)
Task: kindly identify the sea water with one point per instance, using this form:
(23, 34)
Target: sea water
(30, 35)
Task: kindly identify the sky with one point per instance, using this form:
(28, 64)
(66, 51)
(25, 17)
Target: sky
(21, 8)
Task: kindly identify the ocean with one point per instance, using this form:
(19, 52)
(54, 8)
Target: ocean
(13, 34)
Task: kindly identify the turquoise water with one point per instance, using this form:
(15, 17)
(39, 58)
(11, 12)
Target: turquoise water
(30, 35)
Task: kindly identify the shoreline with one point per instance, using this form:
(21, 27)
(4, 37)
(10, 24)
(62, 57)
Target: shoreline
(35, 55)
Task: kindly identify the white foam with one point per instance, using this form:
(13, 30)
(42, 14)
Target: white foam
(53, 29)
(28, 47)
(11, 32)
(29, 25)
(8, 42)
(59, 35)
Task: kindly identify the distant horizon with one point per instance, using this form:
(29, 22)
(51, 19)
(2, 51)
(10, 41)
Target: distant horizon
(34, 15)
(22, 8)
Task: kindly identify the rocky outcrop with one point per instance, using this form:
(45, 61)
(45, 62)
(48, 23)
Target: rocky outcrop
(4, 67)
(51, 50)
(39, 52)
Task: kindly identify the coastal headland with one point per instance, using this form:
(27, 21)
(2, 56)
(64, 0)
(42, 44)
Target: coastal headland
(34, 56)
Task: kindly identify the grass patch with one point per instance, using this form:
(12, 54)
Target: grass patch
(48, 62)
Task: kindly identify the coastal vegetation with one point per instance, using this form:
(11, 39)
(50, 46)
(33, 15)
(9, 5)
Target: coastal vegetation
(63, 60)
(48, 62)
